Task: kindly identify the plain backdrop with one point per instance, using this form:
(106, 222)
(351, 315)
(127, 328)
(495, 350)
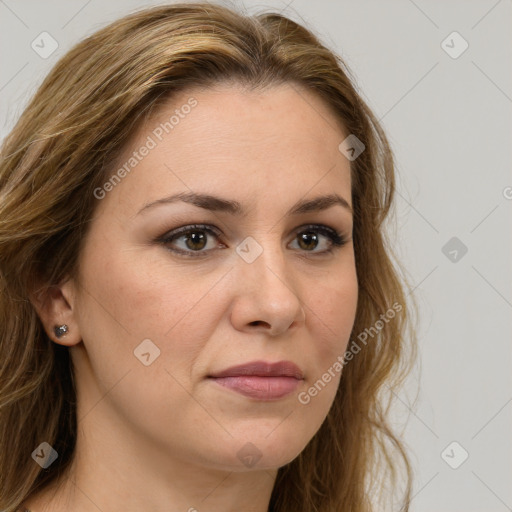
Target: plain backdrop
(445, 102)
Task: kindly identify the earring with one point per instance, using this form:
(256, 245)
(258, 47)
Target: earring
(60, 330)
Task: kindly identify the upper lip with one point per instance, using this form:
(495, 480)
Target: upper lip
(262, 369)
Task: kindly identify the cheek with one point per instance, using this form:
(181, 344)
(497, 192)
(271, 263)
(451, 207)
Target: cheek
(144, 295)
(137, 298)
(332, 314)
(127, 300)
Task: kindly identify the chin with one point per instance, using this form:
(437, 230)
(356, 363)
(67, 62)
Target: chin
(264, 448)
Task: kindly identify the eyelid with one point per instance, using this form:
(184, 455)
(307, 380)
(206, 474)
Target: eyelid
(191, 227)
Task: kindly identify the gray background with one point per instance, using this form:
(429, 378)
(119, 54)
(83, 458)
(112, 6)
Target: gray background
(448, 120)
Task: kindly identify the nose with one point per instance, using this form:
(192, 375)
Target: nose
(267, 296)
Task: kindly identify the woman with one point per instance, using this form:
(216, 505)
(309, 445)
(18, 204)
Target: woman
(199, 309)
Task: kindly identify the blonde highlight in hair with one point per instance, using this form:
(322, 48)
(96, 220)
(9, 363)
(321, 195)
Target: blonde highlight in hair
(65, 145)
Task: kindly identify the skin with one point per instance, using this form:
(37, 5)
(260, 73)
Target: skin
(164, 437)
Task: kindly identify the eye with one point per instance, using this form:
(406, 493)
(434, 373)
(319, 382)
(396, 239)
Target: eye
(308, 239)
(194, 239)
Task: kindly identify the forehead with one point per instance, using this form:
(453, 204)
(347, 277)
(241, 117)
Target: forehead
(280, 142)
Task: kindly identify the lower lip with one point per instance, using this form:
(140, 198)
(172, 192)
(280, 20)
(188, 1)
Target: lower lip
(260, 388)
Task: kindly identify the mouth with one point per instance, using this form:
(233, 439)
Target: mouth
(261, 380)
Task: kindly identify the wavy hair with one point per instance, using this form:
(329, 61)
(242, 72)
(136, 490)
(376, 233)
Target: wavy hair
(65, 145)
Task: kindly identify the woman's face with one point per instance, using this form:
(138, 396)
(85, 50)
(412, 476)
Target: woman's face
(161, 312)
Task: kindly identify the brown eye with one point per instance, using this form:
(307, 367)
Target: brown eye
(308, 240)
(196, 240)
(193, 240)
(189, 240)
(311, 238)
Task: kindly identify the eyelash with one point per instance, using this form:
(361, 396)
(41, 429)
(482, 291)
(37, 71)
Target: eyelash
(336, 238)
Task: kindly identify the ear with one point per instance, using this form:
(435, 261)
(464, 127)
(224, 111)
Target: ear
(55, 306)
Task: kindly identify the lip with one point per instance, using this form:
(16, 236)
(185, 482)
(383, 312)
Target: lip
(261, 380)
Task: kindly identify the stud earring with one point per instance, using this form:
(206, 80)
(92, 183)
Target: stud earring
(60, 330)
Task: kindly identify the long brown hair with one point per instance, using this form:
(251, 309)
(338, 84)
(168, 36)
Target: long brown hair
(64, 146)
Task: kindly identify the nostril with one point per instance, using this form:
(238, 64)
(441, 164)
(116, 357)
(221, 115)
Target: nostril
(257, 322)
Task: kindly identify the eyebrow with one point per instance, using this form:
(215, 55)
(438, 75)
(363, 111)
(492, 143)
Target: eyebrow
(218, 204)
